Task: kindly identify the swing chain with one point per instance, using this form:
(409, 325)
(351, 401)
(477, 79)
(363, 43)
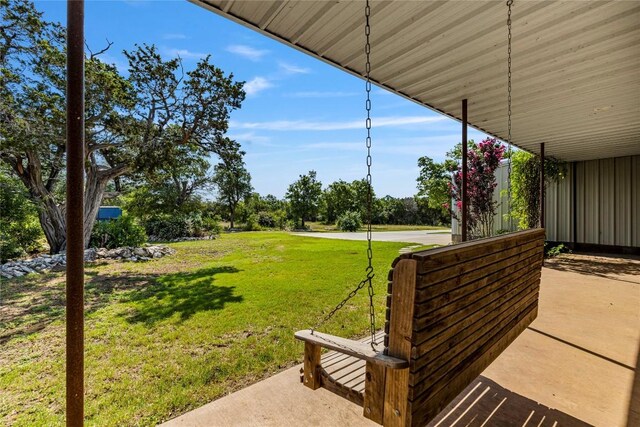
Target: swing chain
(367, 51)
(370, 273)
(509, 4)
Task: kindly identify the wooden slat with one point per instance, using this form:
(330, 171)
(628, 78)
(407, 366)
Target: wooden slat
(436, 312)
(474, 268)
(448, 361)
(430, 405)
(353, 348)
(444, 257)
(426, 329)
(396, 408)
(514, 270)
(430, 286)
(345, 392)
(443, 335)
(425, 355)
(475, 358)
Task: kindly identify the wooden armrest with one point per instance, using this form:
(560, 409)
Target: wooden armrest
(353, 348)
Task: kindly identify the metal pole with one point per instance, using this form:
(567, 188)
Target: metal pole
(75, 213)
(542, 185)
(465, 197)
(574, 179)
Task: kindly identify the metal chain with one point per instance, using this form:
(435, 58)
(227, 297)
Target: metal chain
(367, 51)
(509, 3)
(370, 274)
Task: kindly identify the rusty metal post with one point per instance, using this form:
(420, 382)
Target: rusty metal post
(75, 213)
(465, 197)
(542, 187)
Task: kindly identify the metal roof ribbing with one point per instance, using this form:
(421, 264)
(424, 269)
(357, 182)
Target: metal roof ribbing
(576, 64)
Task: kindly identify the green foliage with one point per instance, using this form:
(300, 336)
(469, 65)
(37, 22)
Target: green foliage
(252, 223)
(525, 185)
(304, 197)
(20, 232)
(232, 180)
(119, 232)
(554, 251)
(169, 227)
(349, 221)
(341, 197)
(433, 184)
(157, 126)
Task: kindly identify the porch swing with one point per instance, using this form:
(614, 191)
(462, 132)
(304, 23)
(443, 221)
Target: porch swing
(450, 312)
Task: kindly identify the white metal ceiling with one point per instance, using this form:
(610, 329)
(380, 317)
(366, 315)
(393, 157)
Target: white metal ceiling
(576, 64)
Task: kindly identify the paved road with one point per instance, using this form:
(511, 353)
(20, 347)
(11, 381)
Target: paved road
(423, 237)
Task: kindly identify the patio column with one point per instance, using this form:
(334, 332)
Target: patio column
(465, 198)
(542, 185)
(75, 214)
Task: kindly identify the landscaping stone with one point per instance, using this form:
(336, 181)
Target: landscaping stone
(57, 262)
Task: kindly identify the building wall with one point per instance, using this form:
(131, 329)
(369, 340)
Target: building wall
(607, 203)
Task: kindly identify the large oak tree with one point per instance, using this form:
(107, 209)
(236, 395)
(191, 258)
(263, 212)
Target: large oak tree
(134, 123)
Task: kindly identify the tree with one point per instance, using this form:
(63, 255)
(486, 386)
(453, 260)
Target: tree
(233, 182)
(304, 197)
(433, 184)
(483, 160)
(132, 124)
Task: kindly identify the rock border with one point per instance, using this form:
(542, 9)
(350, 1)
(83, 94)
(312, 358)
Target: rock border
(45, 263)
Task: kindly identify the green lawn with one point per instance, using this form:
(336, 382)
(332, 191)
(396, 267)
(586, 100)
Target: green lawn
(169, 335)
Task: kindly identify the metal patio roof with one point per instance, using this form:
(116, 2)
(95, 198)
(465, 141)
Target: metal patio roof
(576, 64)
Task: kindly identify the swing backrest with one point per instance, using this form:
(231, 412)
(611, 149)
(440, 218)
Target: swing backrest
(451, 311)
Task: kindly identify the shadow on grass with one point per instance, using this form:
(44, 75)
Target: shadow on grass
(30, 304)
(184, 293)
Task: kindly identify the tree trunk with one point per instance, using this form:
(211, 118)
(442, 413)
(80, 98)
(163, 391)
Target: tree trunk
(232, 214)
(94, 189)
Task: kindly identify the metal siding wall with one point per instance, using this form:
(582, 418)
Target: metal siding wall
(551, 212)
(634, 217)
(622, 218)
(607, 202)
(591, 202)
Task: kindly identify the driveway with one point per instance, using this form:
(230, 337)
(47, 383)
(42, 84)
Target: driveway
(422, 237)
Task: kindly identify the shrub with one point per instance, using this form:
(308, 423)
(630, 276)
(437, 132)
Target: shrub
(177, 226)
(20, 231)
(349, 221)
(554, 251)
(123, 231)
(252, 223)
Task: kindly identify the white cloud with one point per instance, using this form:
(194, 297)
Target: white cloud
(248, 52)
(174, 36)
(303, 125)
(293, 69)
(251, 138)
(255, 85)
(183, 53)
(318, 94)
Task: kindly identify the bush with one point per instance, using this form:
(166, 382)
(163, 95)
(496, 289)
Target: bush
(175, 227)
(349, 221)
(252, 223)
(123, 231)
(554, 251)
(20, 231)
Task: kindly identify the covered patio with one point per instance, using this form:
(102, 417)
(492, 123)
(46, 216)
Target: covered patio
(576, 97)
(576, 365)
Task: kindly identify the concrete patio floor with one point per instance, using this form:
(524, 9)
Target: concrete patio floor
(578, 364)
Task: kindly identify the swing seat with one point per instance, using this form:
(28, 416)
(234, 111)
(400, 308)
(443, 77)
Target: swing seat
(451, 311)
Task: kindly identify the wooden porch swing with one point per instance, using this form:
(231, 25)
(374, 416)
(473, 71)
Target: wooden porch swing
(450, 312)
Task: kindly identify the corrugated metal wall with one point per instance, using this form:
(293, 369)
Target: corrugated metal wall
(607, 202)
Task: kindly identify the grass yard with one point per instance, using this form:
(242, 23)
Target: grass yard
(169, 335)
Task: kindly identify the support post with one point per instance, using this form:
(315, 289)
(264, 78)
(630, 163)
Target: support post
(574, 216)
(397, 409)
(75, 215)
(542, 186)
(465, 197)
(311, 374)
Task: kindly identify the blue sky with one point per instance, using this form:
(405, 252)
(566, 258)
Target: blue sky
(300, 114)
